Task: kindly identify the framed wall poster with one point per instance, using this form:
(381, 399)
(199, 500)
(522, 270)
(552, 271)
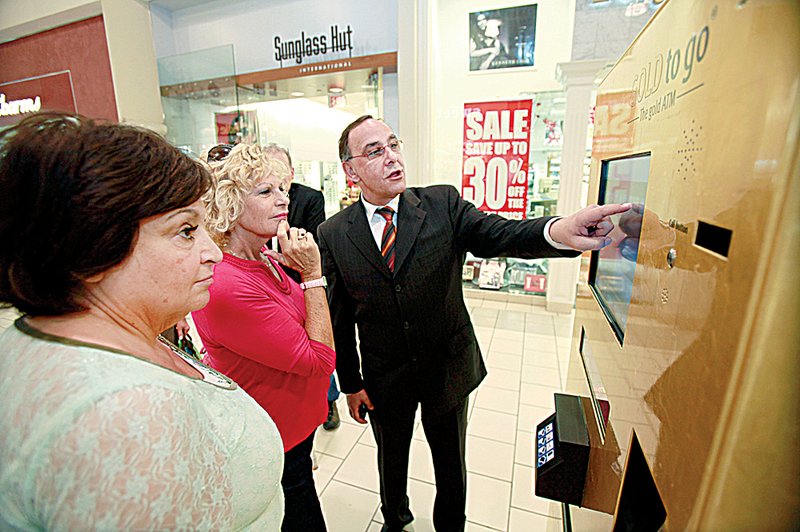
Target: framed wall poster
(502, 38)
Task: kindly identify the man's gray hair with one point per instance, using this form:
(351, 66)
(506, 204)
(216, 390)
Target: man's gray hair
(272, 148)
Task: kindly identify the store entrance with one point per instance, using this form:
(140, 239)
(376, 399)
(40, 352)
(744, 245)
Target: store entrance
(304, 112)
(307, 115)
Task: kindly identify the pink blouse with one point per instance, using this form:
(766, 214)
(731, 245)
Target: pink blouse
(254, 331)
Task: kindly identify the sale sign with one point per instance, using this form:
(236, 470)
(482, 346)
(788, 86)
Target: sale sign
(614, 127)
(497, 138)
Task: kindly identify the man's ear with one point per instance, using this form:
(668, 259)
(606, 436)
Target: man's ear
(94, 279)
(348, 170)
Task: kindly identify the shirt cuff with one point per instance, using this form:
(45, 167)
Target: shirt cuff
(547, 237)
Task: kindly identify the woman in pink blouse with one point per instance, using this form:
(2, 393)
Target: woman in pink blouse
(270, 334)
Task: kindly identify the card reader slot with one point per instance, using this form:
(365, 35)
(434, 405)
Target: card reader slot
(713, 238)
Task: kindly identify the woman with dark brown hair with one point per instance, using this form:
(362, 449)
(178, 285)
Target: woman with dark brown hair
(104, 425)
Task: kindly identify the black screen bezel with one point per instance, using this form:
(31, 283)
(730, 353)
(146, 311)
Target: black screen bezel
(613, 321)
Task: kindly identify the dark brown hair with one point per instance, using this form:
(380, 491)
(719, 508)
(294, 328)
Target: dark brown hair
(73, 192)
(344, 146)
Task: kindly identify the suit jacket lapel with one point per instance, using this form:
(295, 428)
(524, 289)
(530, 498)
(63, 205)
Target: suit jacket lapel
(294, 206)
(360, 235)
(409, 222)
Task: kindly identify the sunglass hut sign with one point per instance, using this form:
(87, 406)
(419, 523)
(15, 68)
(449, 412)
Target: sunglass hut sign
(339, 40)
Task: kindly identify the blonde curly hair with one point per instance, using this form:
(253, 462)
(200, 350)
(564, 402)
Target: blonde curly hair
(233, 179)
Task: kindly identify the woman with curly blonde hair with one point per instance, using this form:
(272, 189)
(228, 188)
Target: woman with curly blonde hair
(261, 328)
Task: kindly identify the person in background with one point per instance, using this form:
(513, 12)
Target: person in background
(484, 43)
(177, 332)
(262, 328)
(394, 261)
(306, 211)
(104, 425)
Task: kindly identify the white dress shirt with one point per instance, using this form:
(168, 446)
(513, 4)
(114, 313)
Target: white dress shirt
(376, 221)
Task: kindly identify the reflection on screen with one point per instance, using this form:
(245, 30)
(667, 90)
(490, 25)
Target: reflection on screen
(621, 181)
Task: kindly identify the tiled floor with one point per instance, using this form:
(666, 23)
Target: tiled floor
(526, 350)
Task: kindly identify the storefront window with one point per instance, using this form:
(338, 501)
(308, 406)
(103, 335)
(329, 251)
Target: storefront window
(205, 104)
(519, 276)
(195, 88)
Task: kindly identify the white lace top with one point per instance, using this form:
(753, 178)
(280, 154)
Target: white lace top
(96, 439)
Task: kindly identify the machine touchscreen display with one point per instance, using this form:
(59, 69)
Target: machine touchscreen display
(622, 180)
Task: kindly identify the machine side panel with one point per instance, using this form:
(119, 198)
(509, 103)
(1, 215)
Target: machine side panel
(709, 89)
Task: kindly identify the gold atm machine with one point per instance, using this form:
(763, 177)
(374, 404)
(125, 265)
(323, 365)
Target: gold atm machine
(681, 405)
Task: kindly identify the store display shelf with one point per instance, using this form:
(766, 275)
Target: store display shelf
(474, 292)
(541, 198)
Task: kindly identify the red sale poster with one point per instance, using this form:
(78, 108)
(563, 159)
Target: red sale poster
(497, 138)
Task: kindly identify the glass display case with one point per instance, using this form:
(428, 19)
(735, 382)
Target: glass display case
(196, 90)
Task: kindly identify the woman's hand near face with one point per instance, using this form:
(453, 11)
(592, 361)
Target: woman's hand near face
(298, 251)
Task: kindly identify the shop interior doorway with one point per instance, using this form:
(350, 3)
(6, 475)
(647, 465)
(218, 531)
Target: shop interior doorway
(305, 113)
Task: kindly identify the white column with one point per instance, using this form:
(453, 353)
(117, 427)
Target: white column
(578, 79)
(132, 54)
(415, 82)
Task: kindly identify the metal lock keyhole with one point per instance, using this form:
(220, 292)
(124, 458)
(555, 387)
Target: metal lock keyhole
(671, 256)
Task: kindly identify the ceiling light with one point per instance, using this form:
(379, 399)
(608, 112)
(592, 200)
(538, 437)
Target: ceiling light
(297, 94)
(335, 90)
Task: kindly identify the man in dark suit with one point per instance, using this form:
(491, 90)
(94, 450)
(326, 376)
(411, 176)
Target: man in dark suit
(306, 211)
(396, 274)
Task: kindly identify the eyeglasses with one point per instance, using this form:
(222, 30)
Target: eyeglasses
(219, 152)
(396, 146)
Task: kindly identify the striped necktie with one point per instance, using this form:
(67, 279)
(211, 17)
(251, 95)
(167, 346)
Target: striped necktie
(389, 236)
